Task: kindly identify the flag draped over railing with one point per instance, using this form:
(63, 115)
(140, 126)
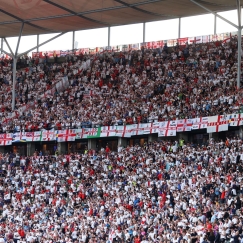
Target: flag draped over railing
(163, 129)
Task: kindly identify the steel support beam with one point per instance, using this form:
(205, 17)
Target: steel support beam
(7, 53)
(239, 59)
(215, 14)
(14, 82)
(73, 40)
(109, 36)
(1, 45)
(239, 13)
(144, 32)
(238, 27)
(20, 34)
(215, 25)
(16, 56)
(239, 44)
(43, 43)
(38, 42)
(12, 54)
(179, 28)
(14, 66)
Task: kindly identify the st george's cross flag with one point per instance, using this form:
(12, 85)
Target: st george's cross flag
(66, 135)
(32, 136)
(217, 124)
(108, 131)
(19, 137)
(181, 124)
(48, 135)
(184, 125)
(167, 129)
(236, 120)
(199, 123)
(6, 139)
(133, 128)
(147, 128)
(121, 131)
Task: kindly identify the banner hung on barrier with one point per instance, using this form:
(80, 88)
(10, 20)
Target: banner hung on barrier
(163, 129)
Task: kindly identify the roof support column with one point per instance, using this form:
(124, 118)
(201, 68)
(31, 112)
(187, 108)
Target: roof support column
(14, 66)
(1, 45)
(73, 40)
(215, 25)
(144, 32)
(215, 14)
(16, 56)
(179, 28)
(109, 36)
(38, 41)
(20, 34)
(239, 59)
(12, 54)
(238, 27)
(14, 82)
(9, 54)
(239, 44)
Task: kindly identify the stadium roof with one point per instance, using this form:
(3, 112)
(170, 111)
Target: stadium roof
(49, 16)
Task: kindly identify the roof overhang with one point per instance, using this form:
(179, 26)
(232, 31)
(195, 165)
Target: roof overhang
(50, 16)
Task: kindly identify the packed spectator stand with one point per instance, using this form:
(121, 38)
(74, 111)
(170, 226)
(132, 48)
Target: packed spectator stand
(162, 192)
(166, 191)
(119, 88)
(140, 143)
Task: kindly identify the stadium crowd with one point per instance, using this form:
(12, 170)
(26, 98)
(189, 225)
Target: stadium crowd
(163, 192)
(116, 88)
